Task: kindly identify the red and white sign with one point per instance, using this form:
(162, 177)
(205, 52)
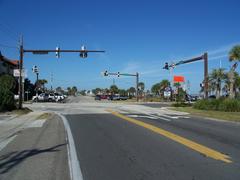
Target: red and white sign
(178, 79)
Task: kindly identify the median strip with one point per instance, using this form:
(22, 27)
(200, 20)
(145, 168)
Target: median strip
(188, 143)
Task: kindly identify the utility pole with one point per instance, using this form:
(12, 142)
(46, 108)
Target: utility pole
(106, 73)
(20, 71)
(203, 57)
(51, 81)
(83, 54)
(137, 82)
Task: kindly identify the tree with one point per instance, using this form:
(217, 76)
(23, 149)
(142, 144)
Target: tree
(7, 102)
(74, 90)
(234, 56)
(141, 87)
(236, 84)
(122, 92)
(59, 89)
(216, 77)
(96, 91)
(159, 88)
(131, 91)
(41, 84)
(156, 88)
(29, 88)
(114, 89)
(164, 84)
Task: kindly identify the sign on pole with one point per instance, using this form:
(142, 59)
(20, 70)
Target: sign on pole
(178, 79)
(16, 73)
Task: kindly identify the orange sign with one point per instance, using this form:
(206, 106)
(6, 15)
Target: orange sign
(178, 79)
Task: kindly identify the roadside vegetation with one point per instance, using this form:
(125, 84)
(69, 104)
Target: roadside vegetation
(8, 84)
(229, 116)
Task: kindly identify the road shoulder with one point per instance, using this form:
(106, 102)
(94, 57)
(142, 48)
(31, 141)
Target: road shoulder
(37, 153)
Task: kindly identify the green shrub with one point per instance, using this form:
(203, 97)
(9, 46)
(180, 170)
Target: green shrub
(7, 84)
(228, 105)
(181, 105)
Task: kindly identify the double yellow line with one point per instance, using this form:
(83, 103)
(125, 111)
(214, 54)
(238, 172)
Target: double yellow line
(188, 143)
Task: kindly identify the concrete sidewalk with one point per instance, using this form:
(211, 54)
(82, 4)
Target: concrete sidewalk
(33, 148)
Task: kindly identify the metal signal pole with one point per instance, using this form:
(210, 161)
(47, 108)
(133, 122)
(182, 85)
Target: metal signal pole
(203, 57)
(83, 54)
(137, 82)
(125, 74)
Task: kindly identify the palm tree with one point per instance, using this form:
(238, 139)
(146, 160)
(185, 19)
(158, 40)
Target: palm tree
(164, 84)
(141, 87)
(236, 84)
(41, 83)
(131, 91)
(69, 89)
(234, 56)
(74, 90)
(114, 89)
(156, 88)
(217, 76)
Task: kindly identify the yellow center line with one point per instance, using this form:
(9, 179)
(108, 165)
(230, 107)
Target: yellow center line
(190, 144)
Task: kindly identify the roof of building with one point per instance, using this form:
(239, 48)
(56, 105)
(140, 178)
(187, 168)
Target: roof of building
(12, 62)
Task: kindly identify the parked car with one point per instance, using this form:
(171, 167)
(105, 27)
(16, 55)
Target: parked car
(104, 97)
(98, 97)
(212, 97)
(118, 97)
(52, 97)
(43, 97)
(59, 97)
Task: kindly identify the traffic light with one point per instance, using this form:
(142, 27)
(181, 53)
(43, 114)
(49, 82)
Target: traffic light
(35, 69)
(166, 66)
(57, 52)
(118, 74)
(83, 54)
(105, 73)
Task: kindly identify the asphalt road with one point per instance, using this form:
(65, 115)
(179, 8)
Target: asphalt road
(111, 147)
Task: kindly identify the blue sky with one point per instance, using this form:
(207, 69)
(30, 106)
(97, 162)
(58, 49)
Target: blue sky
(138, 36)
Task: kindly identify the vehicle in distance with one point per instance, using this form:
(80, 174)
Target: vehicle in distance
(100, 97)
(41, 97)
(118, 97)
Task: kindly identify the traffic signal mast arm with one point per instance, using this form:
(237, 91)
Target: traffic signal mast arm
(60, 50)
(204, 57)
(118, 74)
(106, 73)
(187, 61)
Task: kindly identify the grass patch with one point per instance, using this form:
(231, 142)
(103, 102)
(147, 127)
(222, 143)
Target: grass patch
(181, 104)
(229, 116)
(44, 116)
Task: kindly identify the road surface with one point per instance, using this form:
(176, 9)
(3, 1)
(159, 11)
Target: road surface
(132, 141)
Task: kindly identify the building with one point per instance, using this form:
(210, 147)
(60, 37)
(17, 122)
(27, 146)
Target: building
(7, 66)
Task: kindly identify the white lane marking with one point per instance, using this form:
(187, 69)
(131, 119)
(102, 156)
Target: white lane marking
(4, 143)
(172, 117)
(74, 165)
(150, 116)
(142, 116)
(36, 124)
(162, 118)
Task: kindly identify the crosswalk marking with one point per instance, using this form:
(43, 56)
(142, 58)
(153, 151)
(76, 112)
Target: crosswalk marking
(157, 116)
